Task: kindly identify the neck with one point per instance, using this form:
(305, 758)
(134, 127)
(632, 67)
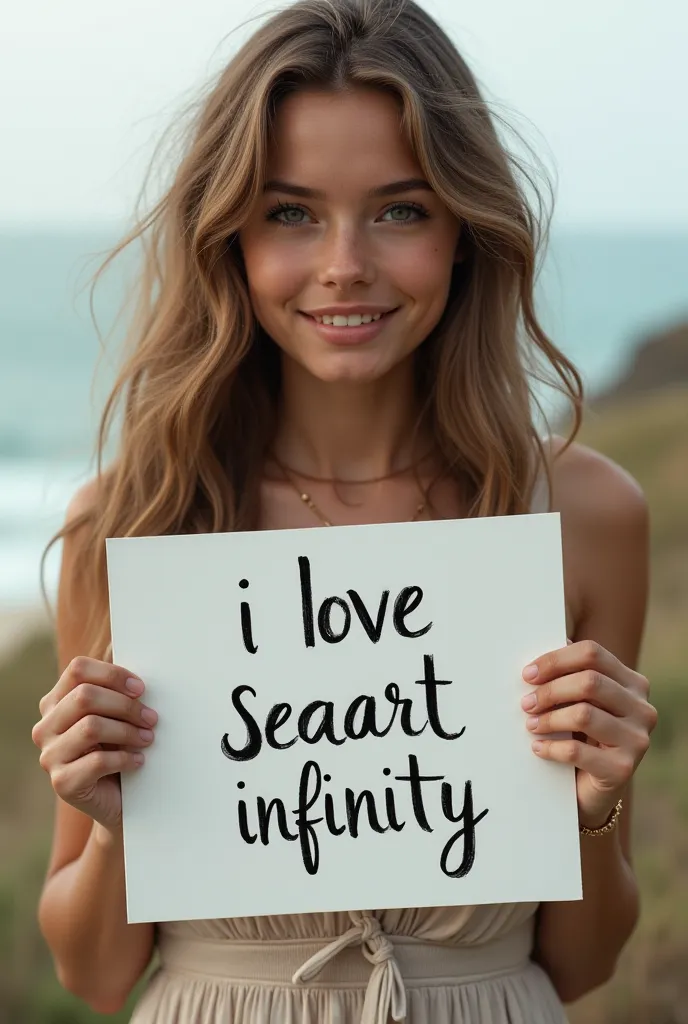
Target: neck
(349, 430)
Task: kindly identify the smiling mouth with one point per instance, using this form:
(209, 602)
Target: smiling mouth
(355, 320)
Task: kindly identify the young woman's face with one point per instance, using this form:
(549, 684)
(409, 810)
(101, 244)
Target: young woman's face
(347, 227)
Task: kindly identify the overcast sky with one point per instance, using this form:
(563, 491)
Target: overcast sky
(600, 86)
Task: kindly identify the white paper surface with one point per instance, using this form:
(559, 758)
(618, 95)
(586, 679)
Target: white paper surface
(492, 589)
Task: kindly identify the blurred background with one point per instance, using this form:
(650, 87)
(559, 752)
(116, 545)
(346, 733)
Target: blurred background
(599, 92)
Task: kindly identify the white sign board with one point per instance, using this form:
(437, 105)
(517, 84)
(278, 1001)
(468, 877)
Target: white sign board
(339, 719)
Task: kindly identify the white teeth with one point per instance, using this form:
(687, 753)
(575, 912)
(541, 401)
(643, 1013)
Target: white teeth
(355, 320)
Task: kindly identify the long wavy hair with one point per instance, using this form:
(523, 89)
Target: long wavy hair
(194, 402)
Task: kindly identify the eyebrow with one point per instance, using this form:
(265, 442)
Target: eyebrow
(394, 188)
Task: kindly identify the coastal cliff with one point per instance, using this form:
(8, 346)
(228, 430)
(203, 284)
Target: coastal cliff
(659, 361)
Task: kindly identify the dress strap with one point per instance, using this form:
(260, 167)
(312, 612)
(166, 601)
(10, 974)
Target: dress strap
(385, 994)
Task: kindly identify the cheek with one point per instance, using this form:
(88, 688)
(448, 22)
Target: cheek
(424, 271)
(273, 278)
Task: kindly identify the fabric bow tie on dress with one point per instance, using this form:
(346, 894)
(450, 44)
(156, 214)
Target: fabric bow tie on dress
(385, 995)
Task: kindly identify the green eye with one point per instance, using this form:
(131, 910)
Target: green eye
(406, 213)
(287, 215)
(292, 215)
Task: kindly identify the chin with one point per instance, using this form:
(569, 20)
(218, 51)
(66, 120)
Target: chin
(349, 368)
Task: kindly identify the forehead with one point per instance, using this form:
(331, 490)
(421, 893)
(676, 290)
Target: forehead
(324, 139)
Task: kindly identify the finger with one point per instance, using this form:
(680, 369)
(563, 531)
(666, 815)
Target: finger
(577, 657)
(75, 781)
(582, 718)
(91, 732)
(589, 686)
(611, 767)
(91, 699)
(90, 670)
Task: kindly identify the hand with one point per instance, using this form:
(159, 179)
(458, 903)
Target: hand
(585, 690)
(92, 727)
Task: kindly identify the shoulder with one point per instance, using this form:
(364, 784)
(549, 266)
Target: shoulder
(592, 492)
(75, 595)
(83, 502)
(82, 512)
(605, 539)
(76, 533)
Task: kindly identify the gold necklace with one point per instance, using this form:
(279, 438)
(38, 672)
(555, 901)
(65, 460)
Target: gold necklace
(309, 503)
(341, 480)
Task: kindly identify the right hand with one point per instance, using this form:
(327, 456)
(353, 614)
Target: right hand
(90, 730)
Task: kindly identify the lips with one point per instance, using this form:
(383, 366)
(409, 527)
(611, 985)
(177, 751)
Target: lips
(363, 316)
(350, 336)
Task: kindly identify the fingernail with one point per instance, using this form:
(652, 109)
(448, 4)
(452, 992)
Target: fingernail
(146, 734)
(148, 715)
(134, 686)
(537, 746)
(529, 673)
(532, 722)
(529, 701)
(138, 758)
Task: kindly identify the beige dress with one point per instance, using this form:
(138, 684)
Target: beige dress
(440, 965)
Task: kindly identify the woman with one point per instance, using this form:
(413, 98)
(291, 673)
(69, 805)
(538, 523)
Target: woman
(336, 325)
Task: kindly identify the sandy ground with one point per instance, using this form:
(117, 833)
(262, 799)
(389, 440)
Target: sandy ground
(17, 625)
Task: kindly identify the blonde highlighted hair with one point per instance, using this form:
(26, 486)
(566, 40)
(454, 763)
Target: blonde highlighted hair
(197, 390)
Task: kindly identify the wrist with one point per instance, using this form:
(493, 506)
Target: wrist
(600, 823)
(106, 838)
(596, 820)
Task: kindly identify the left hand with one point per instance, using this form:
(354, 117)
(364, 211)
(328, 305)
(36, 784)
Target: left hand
(585, 690)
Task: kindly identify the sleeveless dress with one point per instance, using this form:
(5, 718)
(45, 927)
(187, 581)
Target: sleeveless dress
(437, 965)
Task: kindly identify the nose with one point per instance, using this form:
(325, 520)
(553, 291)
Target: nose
(345, 259)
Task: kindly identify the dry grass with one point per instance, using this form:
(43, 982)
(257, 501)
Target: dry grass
(648, 436)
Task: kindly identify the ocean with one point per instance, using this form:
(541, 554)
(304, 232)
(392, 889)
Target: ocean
(598, 295)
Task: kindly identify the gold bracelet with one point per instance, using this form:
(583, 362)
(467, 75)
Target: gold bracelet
(608, 826)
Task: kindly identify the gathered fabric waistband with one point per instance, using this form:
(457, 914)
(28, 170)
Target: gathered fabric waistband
(363, 957)
(276, 962)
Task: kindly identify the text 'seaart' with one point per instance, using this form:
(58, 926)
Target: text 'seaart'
(339, 719)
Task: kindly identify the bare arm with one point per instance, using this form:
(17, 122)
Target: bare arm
(82, 912)
(605, 525)
(97, 955)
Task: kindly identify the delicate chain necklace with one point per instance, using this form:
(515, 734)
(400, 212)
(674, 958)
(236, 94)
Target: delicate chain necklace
(352, 483)
(309, 503)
